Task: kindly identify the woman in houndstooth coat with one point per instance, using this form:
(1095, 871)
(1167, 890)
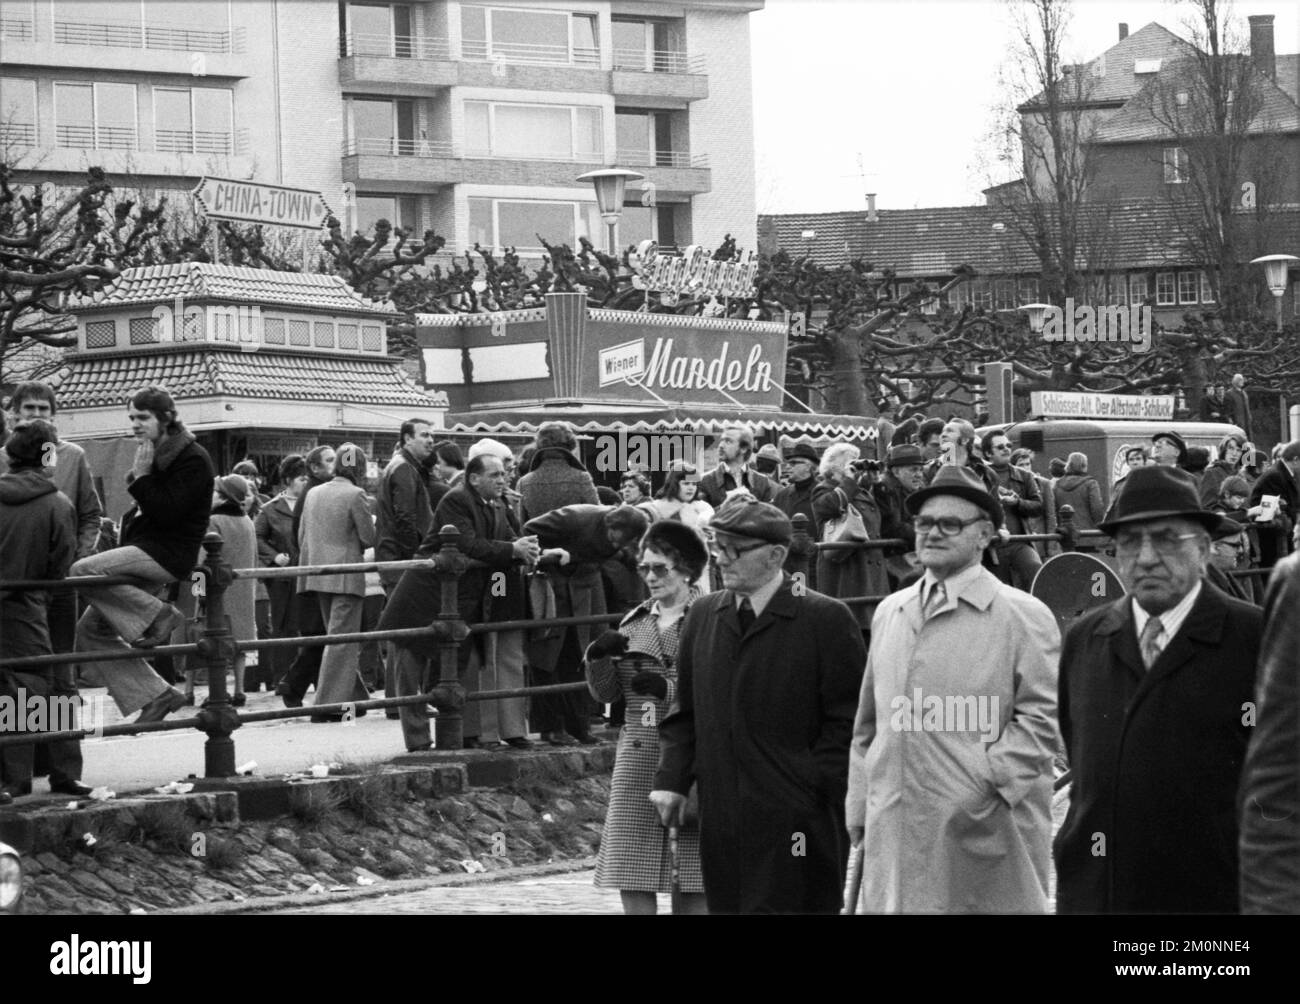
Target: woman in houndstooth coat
(638, 664)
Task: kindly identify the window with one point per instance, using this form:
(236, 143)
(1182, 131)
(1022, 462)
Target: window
(323, 334)
(193, 120)
(1187, 286)
(1137, 287)
(1165, 289)
(144, 330)
(528, 36)
(1118, 289)
(379, 30)
(101, 334)
(645, 138)
(1004, 294)
(981, 294)
(534, 132)
(1027, 291)
(1175, 162)
(17, 21)
(273, 330)
(502, 223)
(95, 116)
(399, 210)
(189, 25)
(348, 338)
(372, 337)
(299, 333)
(646, 46)
(383, 128)
(17, 112)
(1207, 293)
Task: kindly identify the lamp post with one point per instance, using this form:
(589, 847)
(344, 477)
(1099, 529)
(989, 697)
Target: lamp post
(1037, 312)
(1275, 269)
(610, 184)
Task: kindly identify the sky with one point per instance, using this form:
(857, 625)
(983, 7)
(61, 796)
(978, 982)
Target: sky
(896, 97)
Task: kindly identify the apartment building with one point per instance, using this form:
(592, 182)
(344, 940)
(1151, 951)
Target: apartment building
(473, 119)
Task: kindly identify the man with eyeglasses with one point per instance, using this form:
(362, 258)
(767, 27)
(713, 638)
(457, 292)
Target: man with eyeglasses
(767, 686)
(796, 499)
(950, 770)
(1021, 501)
(1156, 698)
(1228, 552)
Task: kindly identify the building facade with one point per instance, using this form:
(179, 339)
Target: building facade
(471, 119)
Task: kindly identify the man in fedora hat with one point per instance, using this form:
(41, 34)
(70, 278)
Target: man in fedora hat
(765, 737)
(795, 499)
(904, 474)
(1155, 698)
(1169, 449)
(950, 770)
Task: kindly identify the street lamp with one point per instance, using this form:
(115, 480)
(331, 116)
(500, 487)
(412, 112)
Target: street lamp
(1037, 312)
(611, 184)
(1275, 269)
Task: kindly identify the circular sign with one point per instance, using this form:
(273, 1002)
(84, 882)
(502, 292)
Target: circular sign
(1071, 584)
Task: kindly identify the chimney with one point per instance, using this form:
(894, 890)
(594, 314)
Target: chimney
(871, 207)
(1261, 44)
(1123, 31)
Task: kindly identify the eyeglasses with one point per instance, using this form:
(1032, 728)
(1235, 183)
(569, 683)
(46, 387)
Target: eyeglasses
(949, 526)
(1231, 545)
(731, 552)
(1162, 541)
(658, 568)
(1004, 446)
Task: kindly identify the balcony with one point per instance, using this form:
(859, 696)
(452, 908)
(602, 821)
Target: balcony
(401, 165)
(521, 53)
(660, 78)
(89, 137)
(395, 64)
(200, 141)
(673, 173)
(115, 45)
(17, 134)
(532, 67)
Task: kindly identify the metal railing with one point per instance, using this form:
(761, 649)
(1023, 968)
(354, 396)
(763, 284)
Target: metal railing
(89, 137)
(18, 133)
(378, 146)
(394, 46)
(482, 153)
(192, 141)
(662, 158)
(657, 61)
(130, 35)
(523, 52)
(16, 29)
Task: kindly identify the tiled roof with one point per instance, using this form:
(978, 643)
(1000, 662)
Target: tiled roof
(1135, 122)
(1110, 75)
(1288, 76)
(933, 242)
(199, 280)
(105, 380)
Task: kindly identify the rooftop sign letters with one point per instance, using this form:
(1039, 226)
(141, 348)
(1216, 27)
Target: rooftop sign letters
(254, 202)
(1055, 404)
(694, 272)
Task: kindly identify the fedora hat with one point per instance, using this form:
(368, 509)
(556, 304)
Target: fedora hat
(1176, 439)
(1159, 493)
(959, 481)
(802, 451)
(904, 455)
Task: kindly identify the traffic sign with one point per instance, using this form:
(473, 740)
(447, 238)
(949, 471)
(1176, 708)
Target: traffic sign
(254, 202)
(1071, 584)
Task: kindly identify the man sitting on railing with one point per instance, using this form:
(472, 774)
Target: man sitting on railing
(38, 536)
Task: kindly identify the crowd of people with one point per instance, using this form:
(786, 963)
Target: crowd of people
(776, 729)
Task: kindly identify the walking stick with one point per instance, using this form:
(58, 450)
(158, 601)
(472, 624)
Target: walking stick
(857, 857)
(676, 867)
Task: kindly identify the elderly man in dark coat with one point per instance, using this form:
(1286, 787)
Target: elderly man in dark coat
(1154, 696)
(1270, 786)
(493, 591)
(904, 474)
(1282, 480)
(796, 499)
(768, 680)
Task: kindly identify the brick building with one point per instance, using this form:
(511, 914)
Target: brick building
(473, 119)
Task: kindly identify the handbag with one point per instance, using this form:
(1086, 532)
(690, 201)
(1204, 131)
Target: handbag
(845, 528)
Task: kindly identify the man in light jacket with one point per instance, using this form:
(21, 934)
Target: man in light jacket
(950, 768)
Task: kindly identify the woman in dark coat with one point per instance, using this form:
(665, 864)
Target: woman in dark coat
(1232, 449)
(1080, 490)
(278, 548)
(842, 572)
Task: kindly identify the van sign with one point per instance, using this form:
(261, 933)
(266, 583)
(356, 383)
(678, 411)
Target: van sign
(1137, 407)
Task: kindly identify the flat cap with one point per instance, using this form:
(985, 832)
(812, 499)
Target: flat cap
(744, 517)
(802, 451)
(769, 452)
(904, 455)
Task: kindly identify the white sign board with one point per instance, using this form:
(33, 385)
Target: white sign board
(619, 362)
(1061, 404)
(254, 202)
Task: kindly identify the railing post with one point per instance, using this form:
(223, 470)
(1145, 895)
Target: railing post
(217, 648)
(449, 696)
(802, 549)
(1065, 527)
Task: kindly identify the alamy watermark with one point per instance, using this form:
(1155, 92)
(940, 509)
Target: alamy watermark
(240, 324)
(923, 712)
(33, 713)
(1118, 323)
(651, 452)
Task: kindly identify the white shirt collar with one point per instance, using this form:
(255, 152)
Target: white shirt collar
(763, 594)
(953, 585)
(1171, 620)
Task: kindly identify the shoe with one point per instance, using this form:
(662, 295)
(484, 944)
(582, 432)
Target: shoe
(322, 719)
(160, 631)
(469, 743)
(14, 790)
(70, 787)
(238, 700)
(5, 797)
(586, 739)
(391, 714)
(290, 701)
(421, 748)
(520, 743)
(559, 739)
(189, 699)
(492, 744)
(161, 706)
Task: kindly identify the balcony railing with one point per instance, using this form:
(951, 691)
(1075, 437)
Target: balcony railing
(193, 141)
(394, 46)
(381, 147)
(661, 158)
(17, 134)
(657, 61)
(590, 157)
(124, 34)
(87, 137)
(16, 29)
(520, 52)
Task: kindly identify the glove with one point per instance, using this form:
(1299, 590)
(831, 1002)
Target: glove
(609, 643)
(649, 682)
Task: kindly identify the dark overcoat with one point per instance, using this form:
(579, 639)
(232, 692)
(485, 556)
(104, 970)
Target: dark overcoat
(416, 598)
(172, 505)
(767, 739)
(1277, 480)
(1156, 759)
(843, 573)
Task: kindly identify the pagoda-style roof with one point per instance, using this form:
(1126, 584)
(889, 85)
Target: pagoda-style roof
(155, 284)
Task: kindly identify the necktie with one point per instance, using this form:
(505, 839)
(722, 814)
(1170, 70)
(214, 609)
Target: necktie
(746, 614)
(1149, 643)
(938, 597)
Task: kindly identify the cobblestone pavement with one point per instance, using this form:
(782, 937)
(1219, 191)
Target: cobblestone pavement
(568, 893)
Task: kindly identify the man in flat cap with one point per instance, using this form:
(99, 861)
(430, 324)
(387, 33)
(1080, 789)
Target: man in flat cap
(1156, 692)
(950, 771)
(904, 474)
(767, 685)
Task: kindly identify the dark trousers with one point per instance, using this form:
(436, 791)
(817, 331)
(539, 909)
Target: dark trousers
(62, 760)
(570, 712)
(372, 658)
(305, 669)
(284, 624)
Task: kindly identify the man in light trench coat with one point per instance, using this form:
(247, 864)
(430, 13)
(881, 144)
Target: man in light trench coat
(950, 769)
